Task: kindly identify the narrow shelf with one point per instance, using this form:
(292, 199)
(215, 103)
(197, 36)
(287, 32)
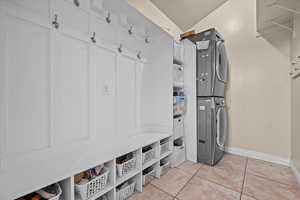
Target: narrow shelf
(178, 84)
(150, 163)
(127, 176)
(165, 154)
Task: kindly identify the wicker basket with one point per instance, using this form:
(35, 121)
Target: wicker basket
(149, 155)
(147, 178)
(164, 148)
(126, 192)
(57, 197)
(126, 167)
(85, 191)
(165, 168)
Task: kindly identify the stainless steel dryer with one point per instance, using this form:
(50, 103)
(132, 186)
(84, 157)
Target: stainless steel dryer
(212, 129)
(212, 64)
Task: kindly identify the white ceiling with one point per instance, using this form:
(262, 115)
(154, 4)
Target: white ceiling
(186, 13)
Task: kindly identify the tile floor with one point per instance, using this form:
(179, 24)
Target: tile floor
(234, 178)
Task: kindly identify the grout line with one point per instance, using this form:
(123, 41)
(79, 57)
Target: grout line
(189, 181)
(161, 190)
(245, 172)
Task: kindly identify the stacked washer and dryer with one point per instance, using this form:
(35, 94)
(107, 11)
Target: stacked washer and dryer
(212, 79)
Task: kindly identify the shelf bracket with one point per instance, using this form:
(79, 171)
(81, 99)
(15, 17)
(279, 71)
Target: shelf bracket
(276, 4)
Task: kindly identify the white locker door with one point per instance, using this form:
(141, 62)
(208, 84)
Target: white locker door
(127, 93)
(70, 66)
(24, 80)
(102, 93)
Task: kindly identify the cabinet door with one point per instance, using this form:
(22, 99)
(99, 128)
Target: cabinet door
(24, 91)
(127, 93)
(69, 89)
(102, 93)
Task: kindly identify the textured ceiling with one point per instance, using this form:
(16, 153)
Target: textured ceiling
(186, 13)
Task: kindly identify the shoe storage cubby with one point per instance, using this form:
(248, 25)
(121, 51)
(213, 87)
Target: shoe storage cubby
(150, 173)
(164, 165)
(128, 187)
(55, 191)
(178, 156)
(107, 196)
(94, 182)
(150, 154)
(165, 147)
(120, 177)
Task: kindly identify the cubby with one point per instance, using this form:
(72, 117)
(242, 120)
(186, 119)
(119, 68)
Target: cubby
(164, 165)
(98, 185)
(166, 146)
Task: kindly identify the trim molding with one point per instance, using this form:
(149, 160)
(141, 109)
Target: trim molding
(259, 156)
(295, 171)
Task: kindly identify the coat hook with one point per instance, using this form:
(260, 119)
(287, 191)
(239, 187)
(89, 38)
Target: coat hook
(147, 40)
(139, 55)
(93, 38)
(55, 22)
(77, 3)
(130, 30)
(108, 19)
(120, 48)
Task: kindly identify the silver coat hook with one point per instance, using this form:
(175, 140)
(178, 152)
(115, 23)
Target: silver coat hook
(139, 56)
(55, 22)
(120, 48)
(108, 19)
(93, 38)
(130, 30)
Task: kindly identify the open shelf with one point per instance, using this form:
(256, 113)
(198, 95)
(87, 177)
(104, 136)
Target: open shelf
(68, 184)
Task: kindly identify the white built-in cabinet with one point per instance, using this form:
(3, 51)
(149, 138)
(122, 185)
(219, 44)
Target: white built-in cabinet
(69, 77)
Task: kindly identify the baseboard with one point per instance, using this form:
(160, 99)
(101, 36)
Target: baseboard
(296, 172)
(259, 156)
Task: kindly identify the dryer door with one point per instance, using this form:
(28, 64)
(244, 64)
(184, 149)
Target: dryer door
(222, 127)
(221, 62)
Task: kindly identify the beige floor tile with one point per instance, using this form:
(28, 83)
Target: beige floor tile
(151, 193)
(200, 189)
(173, 181)
(279, 173)
(244, 197)
(231, 161)
(227, 176)
(190, 167)
(264, 189)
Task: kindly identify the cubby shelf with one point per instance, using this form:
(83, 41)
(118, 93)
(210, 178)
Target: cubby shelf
(68, 185)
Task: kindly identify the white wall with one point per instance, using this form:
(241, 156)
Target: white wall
(259, 95)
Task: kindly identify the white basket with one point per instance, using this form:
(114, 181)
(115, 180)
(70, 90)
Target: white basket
(178, 127)
(164, 168)
(178, 74)
(164, 148)
(57, 197)
(147, 178)
(126, 192)
(178, 51)
(147, 156)
(85, 191)
(178, 155)
(126, 167)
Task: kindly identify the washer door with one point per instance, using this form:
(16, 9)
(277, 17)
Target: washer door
(221, 62)
(222, 127)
